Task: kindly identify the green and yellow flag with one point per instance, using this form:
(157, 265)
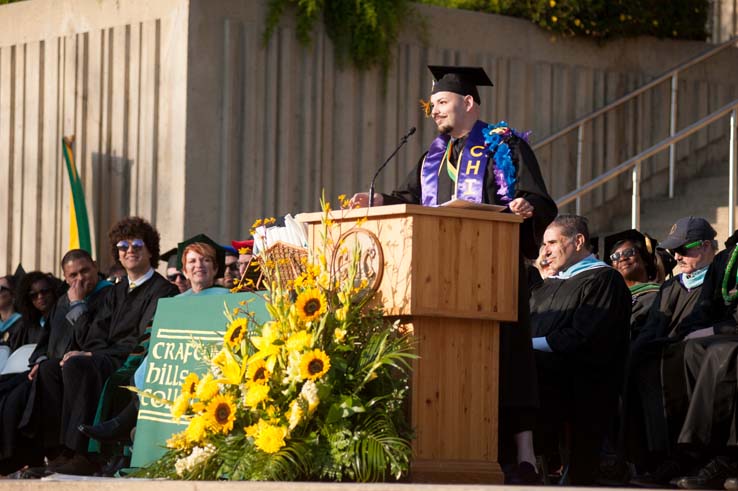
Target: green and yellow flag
(79, 224)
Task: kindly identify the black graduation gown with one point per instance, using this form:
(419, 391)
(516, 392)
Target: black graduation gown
(644, 428)
(708, 398)
(54, 343)
(518, 386)
(586, 321)
(110, 335)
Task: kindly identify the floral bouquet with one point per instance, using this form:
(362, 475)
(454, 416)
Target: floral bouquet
(316, 393)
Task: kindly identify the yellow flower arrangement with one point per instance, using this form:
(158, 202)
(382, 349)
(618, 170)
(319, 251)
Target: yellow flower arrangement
(324, 377)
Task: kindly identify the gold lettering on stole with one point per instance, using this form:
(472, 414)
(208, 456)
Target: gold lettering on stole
(475, 151)
(469, 191)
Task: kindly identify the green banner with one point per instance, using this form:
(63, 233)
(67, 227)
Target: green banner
(172, 357)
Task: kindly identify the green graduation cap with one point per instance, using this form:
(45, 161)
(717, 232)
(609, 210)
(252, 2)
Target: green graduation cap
(204, 239)
(462, 80)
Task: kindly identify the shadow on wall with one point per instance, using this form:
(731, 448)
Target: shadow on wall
(112, 178)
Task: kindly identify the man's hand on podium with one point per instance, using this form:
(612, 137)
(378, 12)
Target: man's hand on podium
(521, 207)
(361, 200)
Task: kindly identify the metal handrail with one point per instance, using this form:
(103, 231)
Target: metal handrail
(672, 74)
(619, 102)
(635, 163)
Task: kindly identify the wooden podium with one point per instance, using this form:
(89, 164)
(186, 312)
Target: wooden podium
(452, 275)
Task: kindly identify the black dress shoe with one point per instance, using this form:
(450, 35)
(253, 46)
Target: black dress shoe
(731, 483)
(107, 431)
(661, 477)
(711, 476)
(523, 474)
(79, 465)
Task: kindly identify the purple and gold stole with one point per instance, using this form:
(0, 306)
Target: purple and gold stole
(470, 174)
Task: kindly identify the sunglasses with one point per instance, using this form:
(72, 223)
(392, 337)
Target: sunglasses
(41, 292)
(682, 251)
(622, 255)
(124, 245)
(175, 277)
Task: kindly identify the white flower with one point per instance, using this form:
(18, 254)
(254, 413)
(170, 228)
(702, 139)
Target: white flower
(196, 457)
(309, 392)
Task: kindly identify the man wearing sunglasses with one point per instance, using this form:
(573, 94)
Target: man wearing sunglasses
(69, 389)
(654, 381)
(709, 364)
(174, 275)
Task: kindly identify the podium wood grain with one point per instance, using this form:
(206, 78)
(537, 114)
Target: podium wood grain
(451, 275)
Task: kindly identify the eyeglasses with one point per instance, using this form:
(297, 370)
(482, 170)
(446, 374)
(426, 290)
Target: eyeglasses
(622, 255)
(682, 251)
(124, 245)
(175, 277)
(42, 292)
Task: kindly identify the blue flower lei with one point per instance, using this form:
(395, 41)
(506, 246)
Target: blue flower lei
(496, 137)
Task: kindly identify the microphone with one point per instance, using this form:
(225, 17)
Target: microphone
(403, 141)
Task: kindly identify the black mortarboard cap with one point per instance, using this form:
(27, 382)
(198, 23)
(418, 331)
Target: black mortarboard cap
(462, 80)
(169, 257)
(219, 252)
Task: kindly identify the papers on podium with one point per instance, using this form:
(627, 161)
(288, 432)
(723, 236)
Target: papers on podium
(470, 205)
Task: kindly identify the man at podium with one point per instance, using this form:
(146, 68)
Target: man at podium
(476, 161)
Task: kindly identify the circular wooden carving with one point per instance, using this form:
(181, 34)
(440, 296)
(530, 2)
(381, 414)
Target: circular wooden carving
(371, 259)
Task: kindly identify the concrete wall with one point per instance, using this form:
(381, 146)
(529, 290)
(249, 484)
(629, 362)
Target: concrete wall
(184, 116)
(114, 75)
(723, 22)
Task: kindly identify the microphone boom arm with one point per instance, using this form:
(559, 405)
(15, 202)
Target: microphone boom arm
(403, 141)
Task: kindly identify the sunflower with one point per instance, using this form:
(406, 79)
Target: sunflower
(236, 332)
(196, 429)
(314, 364)
(256, 394)
(221, 413)
(310, 305)
(270, 438)
(257, 373)
(189, 386)
(206, 388)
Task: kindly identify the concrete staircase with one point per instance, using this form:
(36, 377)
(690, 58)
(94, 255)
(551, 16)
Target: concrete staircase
(705, 195)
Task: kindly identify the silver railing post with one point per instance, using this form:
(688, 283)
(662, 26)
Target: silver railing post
(732, 172)
(580, 145)
(635, 214)
(672, 130)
